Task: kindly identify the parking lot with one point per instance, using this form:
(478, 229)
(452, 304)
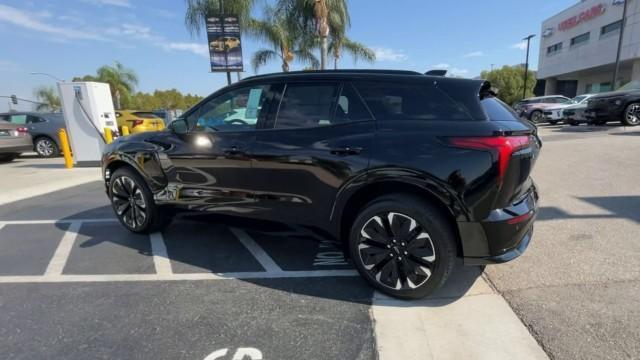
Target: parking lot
(75, 284)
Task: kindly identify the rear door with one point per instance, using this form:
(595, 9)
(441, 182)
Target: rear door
(316, 140)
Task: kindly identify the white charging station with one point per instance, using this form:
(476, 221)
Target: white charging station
(88, 110)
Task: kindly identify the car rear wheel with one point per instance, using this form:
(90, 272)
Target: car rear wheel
(536, 116)
(46, 147)
(133, 202)
(632, 115)
(403, 246)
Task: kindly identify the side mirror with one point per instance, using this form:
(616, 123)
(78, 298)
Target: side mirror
(179, 126)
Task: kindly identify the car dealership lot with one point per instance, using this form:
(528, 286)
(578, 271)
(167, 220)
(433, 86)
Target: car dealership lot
(75, 284)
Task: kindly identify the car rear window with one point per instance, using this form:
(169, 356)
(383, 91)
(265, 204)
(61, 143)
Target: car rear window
(497, 110)
(401, 101)
(145, 115)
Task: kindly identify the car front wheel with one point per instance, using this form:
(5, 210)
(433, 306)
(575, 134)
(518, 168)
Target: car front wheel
(403, 246)
(632, 115)
(133, 202)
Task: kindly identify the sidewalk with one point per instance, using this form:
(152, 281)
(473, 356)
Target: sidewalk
(29, 176)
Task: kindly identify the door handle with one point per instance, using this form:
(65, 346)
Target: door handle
(346, 150)
(233, 150)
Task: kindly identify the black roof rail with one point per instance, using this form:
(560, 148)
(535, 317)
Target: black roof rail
(341, 71)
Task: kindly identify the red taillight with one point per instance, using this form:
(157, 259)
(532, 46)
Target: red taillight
(502, 146)
(23, 130)
(136, 122)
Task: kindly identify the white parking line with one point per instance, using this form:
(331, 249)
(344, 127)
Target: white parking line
(61, 221)
(59, 259)
(160, 255)
(263, 258)
(176, 277)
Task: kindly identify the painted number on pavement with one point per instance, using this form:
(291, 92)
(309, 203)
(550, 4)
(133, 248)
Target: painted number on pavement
(328, 255)
(247, 353)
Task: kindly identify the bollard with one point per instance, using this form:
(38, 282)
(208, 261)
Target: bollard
(66, 150)
(108, 136)
(125, 130)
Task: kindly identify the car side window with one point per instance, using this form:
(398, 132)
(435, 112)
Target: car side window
(402, 101)
(350, 107)
(307, 105)
(236, 110)
(33, 119)
(19, 119)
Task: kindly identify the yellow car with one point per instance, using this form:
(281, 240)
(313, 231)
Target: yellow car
(225, 43)
(138, 121)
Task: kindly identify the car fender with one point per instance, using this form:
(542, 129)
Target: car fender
(141, 156)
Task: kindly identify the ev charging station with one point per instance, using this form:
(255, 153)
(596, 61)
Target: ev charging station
(88, 110)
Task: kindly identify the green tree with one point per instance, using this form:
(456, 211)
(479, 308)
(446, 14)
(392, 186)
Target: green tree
(318, 17)
(48, 97)
(341, 44)
(198, 10)
(122, 82)
(509, 80)
(286, 44)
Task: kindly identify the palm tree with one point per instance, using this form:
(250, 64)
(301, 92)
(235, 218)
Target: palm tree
(320, 17)
(342, 44)
(198, 10)
(286, 45)
(49, 100)
(121, 80)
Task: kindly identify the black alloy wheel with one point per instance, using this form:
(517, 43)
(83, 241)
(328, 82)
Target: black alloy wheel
(632, 115)
(132, 202)
(403, 246)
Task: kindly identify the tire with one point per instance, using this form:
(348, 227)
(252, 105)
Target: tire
(631, 116)
(378, 255)
(536, 116)
(46, 147)
(129, 192)
(8, 157)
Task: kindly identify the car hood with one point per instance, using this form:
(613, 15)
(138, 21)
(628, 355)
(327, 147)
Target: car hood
(576, 106)
(618, 93)
(558, 107)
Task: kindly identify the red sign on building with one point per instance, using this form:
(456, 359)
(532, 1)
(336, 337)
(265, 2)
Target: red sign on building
(586, 15)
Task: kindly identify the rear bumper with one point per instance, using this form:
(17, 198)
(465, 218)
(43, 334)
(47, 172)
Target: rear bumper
(503, 235)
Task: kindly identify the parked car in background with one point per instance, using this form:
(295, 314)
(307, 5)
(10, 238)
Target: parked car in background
(533, 108)
(555, 114)
(14, 140)
(574, 114)
(43, 128)
(404, 171)
(621, 105)
(138, 121)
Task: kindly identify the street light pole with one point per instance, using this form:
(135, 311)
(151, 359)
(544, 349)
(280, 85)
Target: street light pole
(45, 74)
(526, 66)
(617, 67)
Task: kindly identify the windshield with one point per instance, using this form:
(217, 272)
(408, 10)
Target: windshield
(634, 85)
(579, 99)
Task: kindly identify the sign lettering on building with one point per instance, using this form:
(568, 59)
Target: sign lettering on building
(586, 15)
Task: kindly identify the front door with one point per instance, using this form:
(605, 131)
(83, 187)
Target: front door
(319, 138)
(208, 167)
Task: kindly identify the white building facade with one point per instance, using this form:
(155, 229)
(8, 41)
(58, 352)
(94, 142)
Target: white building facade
(578, 47)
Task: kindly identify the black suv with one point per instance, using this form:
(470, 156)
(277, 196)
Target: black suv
(621, 105)
(406, 171)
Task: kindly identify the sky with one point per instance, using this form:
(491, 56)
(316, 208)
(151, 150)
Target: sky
(68, 38)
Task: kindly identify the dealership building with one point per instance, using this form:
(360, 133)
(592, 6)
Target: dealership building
(578, 47)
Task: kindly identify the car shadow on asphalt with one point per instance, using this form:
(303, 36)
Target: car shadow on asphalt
(619, 207)
(203, 243)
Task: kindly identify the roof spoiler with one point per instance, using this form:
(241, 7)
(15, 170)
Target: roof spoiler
(436, 72)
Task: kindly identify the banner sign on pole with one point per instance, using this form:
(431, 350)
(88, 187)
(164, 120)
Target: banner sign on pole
(225, 48)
